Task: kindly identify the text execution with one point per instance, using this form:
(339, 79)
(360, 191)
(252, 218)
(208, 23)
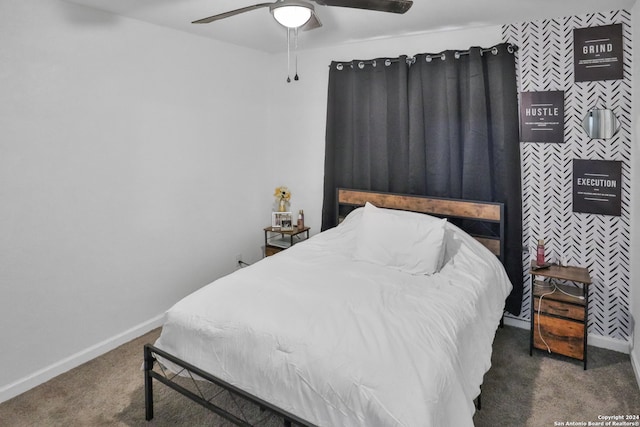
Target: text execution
(597, 182)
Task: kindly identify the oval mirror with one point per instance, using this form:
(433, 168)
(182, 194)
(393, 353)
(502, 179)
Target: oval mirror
(601, 124)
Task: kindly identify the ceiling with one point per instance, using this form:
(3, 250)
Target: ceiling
(258, 30)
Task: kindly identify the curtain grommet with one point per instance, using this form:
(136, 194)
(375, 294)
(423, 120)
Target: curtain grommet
(387, 62)
(339, 67)
(443, 56)
(456, 55)
(494, 50)
(374, 63)
(361, 65)
(428, 58)
(510, 48)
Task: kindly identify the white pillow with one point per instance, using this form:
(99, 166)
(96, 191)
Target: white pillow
(411, 243)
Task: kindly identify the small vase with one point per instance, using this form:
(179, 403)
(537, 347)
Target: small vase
(282, 206)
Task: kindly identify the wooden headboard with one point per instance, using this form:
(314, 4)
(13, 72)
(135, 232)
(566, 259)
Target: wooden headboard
(491, 212)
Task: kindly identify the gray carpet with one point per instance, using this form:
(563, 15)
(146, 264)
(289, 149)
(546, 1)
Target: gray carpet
(546, 390)
(519, 390)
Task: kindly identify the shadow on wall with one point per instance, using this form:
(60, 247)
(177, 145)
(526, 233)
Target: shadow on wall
(83, 15)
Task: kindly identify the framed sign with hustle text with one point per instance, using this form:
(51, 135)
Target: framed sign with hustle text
(598, 53)
(542, 116)
(597, 187)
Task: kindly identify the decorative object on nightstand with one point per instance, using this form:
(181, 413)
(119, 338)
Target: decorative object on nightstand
(281, 221)
(276, 239)
(559, 311)
(282, 195)
(540, 253)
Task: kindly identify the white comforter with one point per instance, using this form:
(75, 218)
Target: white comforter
(340, 342)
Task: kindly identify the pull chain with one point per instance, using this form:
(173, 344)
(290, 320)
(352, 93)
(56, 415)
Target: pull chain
(288, 54)
(295, 52)
(296, 78)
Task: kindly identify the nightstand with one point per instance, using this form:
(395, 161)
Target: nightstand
(559, 311)
(276, 240)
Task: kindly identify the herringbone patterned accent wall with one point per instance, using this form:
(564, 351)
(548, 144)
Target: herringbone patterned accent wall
(599, 242)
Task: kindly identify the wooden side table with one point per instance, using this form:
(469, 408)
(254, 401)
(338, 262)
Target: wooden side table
(559, 312)
(276, 240)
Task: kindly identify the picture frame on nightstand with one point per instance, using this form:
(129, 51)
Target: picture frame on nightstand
(282, 221)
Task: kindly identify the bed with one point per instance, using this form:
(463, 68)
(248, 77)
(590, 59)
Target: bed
(388, 319)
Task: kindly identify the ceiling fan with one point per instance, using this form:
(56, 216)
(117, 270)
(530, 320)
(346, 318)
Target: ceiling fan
(301, 14)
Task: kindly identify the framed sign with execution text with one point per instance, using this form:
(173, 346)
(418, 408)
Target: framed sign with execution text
(597, 187)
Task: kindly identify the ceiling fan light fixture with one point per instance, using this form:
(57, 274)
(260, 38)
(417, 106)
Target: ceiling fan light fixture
(292, 14)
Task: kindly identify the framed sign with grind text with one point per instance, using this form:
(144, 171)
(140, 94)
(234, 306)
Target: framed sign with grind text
(598, 53)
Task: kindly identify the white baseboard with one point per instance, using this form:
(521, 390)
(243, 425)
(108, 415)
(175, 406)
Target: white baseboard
(75, 360)
(518, 323)
(620, 346)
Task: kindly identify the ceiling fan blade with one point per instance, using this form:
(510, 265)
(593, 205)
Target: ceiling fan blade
(393, 6)
(231, 13)
(312, 23)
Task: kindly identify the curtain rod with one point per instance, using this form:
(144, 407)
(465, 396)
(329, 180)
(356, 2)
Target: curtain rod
(511, 48)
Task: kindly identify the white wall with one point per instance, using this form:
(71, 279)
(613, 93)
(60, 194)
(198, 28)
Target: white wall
(299, 110)
(131, 173)
(635, 197)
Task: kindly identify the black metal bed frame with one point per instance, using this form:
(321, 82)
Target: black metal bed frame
(150, 360)
(150, 351)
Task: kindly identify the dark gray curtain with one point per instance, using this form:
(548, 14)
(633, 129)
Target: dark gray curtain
(367, 140)
(442, 125)
(464, 140)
